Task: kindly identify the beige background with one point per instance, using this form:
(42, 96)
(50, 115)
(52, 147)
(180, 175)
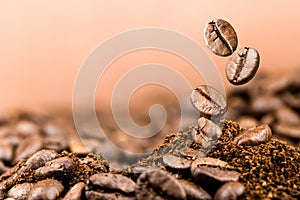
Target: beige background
(43, 43)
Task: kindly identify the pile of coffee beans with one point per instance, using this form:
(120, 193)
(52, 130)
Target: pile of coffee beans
(271, 99)
(221, 38)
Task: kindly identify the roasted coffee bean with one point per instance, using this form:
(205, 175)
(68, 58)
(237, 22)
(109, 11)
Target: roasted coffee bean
(192, 153)
(208, 101)
(20, 191)
(94, 195)
(55, 167)
(292, 100)
(242, 66)
(6, 152)
(158, 184)
(209, 175)
(247, 122)
(112, 182)
(27, 147)
(286, 115)
(230, 191)
(176, 162)
(265, 104)
(209, 128)
(286, 130)
(39, 159)
(254, 136)
(45, 189)
(214, 162)
(194, 191)
(220, 37)
(26, 128)
(75, 193)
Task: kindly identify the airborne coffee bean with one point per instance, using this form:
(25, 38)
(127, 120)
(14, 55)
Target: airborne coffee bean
(208, 101)
(242, 66)
(220, 37)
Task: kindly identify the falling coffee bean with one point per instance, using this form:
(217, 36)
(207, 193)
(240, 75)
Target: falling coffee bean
(220, 37)
(242, 66)
(230, 191)
(254, 136)
(208, 101)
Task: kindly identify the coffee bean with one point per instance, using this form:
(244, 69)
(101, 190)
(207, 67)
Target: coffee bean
(158, 184)
(208, 101)
(112, 182)
(286, 115)
(213, 162)
(210, 175)
(194, 191)
(192, 153)
(27, 147)
(288, 130)
(254, 136)
(247, 122)
(242, 66)
(209, 128)
(57, 167)
(292, 100)
(176, 162)
(46, 189)
(265, 104)
(75, 193)
(6, 152)
(94, 195)
(26, 128)
(220, 37)
(230, 191)
(20, 191)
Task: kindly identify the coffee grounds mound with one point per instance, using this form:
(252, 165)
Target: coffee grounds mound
(268, 171)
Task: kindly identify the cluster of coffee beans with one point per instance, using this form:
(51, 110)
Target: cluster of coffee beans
(221, 38)
(24, 133)
(272, 99)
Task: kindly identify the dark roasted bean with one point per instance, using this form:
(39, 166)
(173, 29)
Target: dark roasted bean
(220, 37)
(214, 162)
(210, 175)
(158, 184)
(27, 147)
(208, 101)
(242, 66)
(230, 191)
(54, 167)
(20, 191)
(194, 191)
(75, 193)
(112, 182)
(254, 136)
(192, 153)
(176, 162)
(46, 189)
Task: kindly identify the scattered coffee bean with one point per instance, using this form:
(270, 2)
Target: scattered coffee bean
(158, 184)
(242, 66)
(208, 101)
(20, 191)
(247, 122)
(192, 153)
(210, 175)
(56, 167)
(109, 196)
(230, 191)
(213, 162)
(45, 189)
(112, 182)
(220, 37)
(75, 193)
(209, 128)
(264, 104)
(175, 162)
(292, 132)
(254, 136)
(194, 191)
(286, 115)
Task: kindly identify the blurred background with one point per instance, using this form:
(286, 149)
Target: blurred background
(43, 43)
